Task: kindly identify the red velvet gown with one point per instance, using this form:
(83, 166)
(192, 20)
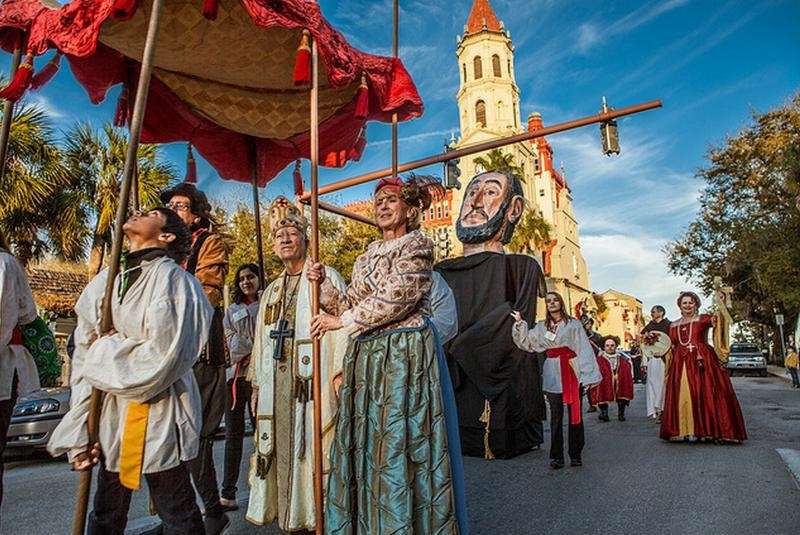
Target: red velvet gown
(699, 398)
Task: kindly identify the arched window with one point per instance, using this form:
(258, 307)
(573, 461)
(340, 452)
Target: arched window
(480, 113)
(508, 67)
(477, 65)
(464, 71)
(496, 66)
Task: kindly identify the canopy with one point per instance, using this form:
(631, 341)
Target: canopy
(225, 85)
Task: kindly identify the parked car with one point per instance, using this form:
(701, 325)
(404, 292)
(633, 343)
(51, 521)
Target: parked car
(747, 358)
(36, 415)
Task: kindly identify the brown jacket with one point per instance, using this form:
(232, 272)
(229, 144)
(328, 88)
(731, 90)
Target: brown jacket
(212, 267)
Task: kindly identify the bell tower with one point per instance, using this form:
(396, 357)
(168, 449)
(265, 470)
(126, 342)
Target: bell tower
(488, 96)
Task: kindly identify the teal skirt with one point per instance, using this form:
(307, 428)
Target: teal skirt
(390, 467)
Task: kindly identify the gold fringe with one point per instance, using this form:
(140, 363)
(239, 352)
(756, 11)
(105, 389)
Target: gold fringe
(485, 418)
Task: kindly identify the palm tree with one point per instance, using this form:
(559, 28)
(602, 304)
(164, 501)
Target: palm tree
(96, 160)
(39, 211)
(497, 160)
(531, 234)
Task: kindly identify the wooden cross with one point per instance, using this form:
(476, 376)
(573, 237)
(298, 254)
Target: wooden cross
(279, 334)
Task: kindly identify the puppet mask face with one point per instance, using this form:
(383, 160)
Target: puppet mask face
(487, 206)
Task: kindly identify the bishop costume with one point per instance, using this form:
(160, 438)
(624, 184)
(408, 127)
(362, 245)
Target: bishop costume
(282, 467)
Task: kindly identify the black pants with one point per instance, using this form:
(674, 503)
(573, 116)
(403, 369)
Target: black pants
(234, 433)
(792, 372)
(6, 409)
(211, 382)
(574, 432)
(637, 369)
(621, 404)
(170, 491)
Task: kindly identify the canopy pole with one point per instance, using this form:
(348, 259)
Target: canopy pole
(81, 506)
(395, 52)
(486, 145)
(316, 387)
(135, 203)
(8, 110)
(257, 213)
(338, 210)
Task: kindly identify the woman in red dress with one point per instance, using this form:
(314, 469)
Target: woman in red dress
(700, 401)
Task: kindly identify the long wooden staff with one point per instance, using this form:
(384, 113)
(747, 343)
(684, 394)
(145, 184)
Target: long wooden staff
(8, 109)
(316, 382)
(82, 498)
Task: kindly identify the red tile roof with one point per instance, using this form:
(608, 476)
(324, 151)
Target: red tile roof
(482, 15)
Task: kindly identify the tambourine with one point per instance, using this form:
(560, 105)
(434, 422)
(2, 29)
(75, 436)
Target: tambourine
(655, 344)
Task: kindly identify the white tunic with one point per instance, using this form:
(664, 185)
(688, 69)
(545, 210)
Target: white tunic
(444, 314)
(16, 308)
(161, 327)
(571, 335)
(240, 326)
(655, 386)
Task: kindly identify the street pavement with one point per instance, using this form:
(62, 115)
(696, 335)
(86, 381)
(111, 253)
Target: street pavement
(631, 481)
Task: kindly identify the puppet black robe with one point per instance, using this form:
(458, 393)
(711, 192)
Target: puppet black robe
(485, 365)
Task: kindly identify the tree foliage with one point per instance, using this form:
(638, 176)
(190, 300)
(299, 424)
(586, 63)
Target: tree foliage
(497, 160)
(95, 161)
(747, 228)
(532, 233)
(39, 212)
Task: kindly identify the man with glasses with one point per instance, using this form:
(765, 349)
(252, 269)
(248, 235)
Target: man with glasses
(208, 262)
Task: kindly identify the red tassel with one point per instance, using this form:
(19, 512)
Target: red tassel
(302, 61)
(298, 179)
(191, 167)
(362, 98)
(121, 114)
(210, 9)
(47, 72)
(21, 81)
(124, 9)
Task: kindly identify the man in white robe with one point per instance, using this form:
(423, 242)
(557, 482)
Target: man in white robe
(282, 468)
(18, 375)
(151, 410)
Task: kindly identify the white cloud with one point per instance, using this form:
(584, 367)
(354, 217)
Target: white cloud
(633, 264)
(587, 37)
(416, 137)
(51, 110)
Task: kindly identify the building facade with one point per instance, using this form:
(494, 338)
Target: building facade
(622, 316)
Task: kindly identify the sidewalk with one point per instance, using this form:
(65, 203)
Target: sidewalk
(779, 372)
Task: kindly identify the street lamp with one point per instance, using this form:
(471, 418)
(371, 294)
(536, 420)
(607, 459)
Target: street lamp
(609, 134)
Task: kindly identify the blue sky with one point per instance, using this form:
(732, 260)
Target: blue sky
(712, 63)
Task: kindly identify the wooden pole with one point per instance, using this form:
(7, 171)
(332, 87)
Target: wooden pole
(316, 386)
(487, 145)
(82, 504)
(257, 213)
(395, 51)
(332, 208)
(8, 110)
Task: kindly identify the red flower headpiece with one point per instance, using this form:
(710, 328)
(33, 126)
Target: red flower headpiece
(417, 190)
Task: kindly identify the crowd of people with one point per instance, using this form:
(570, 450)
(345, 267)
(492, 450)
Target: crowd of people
(419, 364)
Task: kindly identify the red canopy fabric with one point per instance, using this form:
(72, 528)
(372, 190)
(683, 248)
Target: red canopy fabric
(224, 85)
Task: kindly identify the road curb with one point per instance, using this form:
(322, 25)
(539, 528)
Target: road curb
(780, 373)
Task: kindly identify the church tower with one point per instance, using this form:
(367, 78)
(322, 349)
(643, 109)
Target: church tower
(488, 96)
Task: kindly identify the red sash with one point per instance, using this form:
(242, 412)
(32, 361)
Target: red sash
(570, 386)
(16, 337)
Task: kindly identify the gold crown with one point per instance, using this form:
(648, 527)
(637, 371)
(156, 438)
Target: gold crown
(283, 213)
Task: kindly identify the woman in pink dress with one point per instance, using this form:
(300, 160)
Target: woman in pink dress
(700, 401)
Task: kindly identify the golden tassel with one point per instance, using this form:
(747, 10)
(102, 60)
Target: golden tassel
(485, 418)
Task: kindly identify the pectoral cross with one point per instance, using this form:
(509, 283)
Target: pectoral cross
(279, 334)
(691, 347)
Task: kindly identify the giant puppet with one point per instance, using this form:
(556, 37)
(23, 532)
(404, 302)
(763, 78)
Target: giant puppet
(497, 385)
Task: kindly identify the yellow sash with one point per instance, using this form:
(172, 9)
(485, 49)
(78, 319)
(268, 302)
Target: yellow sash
(131, 453)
